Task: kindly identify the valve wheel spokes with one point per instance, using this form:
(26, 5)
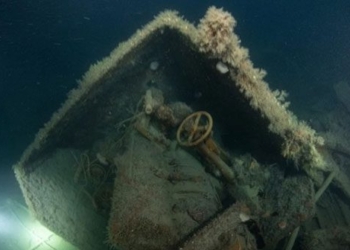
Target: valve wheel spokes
(194, 129)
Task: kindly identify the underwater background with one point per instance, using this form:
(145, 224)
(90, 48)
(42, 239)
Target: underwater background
(45, 46)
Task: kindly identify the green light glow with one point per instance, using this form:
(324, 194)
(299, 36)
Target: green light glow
(19, 231)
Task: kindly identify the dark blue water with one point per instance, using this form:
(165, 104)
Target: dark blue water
(46, 45)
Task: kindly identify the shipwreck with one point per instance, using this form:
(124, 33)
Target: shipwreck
(175, 141)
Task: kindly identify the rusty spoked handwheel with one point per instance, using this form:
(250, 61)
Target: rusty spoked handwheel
(194, 129)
